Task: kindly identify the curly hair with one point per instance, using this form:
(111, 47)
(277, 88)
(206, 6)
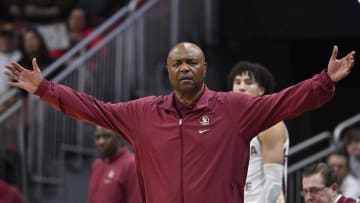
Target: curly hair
(256, 71)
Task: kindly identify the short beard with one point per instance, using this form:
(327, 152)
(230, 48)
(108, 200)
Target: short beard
(188, 94)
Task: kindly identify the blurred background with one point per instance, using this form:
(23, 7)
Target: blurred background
(116, 51)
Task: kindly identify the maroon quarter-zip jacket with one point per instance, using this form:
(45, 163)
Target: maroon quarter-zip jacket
(202, 155)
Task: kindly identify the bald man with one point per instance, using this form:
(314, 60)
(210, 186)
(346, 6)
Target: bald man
(113, 175)
(191, 145)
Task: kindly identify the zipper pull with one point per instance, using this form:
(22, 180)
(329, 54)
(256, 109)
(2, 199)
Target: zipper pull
(180, 121)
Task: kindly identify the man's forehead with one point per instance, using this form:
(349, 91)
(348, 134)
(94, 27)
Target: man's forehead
(101, 130)
(185, 51)
(313, 180)
(190, 52)
(180, 57)
(337, 158)
(187, 45)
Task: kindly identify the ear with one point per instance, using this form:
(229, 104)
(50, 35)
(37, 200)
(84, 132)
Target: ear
(334, 187)
(261, 91)
(205, 67)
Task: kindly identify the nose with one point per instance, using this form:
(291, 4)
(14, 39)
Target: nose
(184, 67)
(100, 141)
(242, 87)
(308, 198)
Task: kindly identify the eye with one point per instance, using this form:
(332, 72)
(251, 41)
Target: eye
(176, 64)
(192, 62)
(249, 82)
(237, 82)
(97, 138)
(107, 135)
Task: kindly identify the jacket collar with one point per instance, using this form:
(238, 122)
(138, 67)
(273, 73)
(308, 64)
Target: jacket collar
(168, 101)
(121, 152)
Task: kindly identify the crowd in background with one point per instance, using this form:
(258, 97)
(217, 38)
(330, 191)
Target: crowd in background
(47, 29)
(346, 163)
(44, 29)
(336, 178)
(27, 30)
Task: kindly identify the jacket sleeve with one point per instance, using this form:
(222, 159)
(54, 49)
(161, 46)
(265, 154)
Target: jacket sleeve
(259, 113)
(118, 117)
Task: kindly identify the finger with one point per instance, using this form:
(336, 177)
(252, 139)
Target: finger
(350, 59)
(351, 55)
(35, 65)
(334, 53)
(11, 75)
(17, 69)
(16, 72)
(14, 84)
(352, 63)
(9, 68)
(17, 66)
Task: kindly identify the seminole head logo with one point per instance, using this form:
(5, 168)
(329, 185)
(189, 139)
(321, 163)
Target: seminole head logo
(204, 120)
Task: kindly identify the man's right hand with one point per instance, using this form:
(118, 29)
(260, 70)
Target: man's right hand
(28, 80)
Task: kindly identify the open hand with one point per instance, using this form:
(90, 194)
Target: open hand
(340, 68)
(28, 80)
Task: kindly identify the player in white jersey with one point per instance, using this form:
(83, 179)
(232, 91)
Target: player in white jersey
(256, 185)
(266, 177)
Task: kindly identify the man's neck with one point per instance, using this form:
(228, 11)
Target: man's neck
(108, 158)
(188, 99)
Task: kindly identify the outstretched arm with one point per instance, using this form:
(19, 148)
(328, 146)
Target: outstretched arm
(340, 68)
(118, 117)
(293, 101)
(25, 79)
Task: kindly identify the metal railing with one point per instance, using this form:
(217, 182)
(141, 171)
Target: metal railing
(332, 142)
(341, 127)
(294, 176)
(128, 62)
(98, 71)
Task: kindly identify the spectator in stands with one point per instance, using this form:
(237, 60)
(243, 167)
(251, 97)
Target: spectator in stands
(319, 184)
(8, 51)
(351, 139)
(348, 184)
(9, 194)
(113, 176)
(268, 150)
(32, 45)
(191, 145)
(78, 27)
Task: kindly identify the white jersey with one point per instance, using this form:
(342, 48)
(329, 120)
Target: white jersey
(255, 179)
